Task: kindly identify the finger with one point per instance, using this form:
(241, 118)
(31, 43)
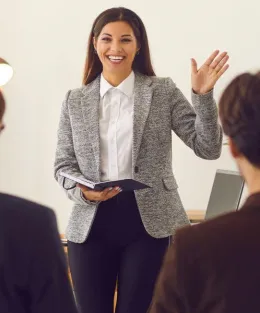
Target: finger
(214, 64)
(221, 63)
(194, 66)
(104, 192)
(114, 192)
(211, 58)
(223, 70)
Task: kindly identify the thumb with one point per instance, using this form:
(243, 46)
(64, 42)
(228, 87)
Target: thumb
(194, 68)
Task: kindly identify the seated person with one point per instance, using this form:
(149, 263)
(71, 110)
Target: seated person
(33, 270)
(214, 267)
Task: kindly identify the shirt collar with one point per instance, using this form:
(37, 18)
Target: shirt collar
(127, 85)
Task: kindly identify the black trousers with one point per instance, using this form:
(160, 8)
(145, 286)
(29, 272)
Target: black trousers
(118, 249)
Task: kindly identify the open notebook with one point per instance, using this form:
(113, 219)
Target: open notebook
(124, 184)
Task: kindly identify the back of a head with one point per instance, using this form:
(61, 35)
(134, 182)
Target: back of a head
(2, 106)
(239, 110)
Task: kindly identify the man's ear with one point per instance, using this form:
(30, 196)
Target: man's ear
(233, 148)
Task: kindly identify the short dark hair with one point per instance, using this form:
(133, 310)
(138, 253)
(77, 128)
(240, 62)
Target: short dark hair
(2, 105)
(142, 62)
(239, 111)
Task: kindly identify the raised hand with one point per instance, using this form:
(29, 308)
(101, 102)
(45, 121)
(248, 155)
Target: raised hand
(205, 78)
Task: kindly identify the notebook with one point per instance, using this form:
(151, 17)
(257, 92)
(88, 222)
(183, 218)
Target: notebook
(124, 184)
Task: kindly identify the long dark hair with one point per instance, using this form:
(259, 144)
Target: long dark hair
(142, 62)
(239, 111)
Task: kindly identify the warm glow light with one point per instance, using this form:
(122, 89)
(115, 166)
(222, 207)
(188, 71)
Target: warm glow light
(6, 72)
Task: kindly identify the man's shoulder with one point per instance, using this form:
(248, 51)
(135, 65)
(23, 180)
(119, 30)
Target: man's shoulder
(13, 205)
(220, 231)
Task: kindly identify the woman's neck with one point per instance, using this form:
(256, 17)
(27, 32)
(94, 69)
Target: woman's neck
(115, 79)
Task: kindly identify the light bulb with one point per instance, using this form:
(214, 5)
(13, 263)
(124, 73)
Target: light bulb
(6, 72)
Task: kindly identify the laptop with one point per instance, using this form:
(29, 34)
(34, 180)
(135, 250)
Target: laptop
(226, 193)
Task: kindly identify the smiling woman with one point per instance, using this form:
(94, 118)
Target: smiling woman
(118, 126)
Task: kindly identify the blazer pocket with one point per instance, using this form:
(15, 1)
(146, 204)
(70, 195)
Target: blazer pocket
(170, 183)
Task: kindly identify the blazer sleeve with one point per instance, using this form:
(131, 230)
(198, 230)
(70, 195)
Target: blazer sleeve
(65, 158)
(197, 126)
(49, 287)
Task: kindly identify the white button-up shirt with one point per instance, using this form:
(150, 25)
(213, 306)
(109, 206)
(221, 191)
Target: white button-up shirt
(116, 128)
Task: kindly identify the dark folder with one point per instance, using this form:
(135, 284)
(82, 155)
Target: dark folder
(124, 184)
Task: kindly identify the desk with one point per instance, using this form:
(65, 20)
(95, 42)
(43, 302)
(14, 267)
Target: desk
(196, 216)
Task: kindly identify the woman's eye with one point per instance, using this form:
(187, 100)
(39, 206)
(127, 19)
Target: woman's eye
(107, 39)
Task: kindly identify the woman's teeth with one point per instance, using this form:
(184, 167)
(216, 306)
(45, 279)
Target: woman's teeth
(115, 59)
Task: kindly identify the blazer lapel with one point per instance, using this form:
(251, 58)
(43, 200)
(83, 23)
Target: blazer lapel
(142, 104)
(90, 111)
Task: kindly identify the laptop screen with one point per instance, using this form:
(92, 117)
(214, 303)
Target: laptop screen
(225, 194)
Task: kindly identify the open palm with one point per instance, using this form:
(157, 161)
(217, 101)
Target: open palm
(205, 78)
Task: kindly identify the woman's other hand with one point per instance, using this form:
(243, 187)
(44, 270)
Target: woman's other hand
(98, 196)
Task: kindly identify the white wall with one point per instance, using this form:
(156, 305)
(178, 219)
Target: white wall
(45, 42)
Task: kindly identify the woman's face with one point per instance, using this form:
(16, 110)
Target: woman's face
(116, 47)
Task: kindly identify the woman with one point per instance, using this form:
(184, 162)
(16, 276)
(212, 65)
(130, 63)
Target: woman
(229, 245)
(118, 125)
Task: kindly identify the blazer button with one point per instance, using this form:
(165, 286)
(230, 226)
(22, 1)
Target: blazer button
(136, 169)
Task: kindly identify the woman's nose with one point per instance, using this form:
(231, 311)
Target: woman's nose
(116, 47)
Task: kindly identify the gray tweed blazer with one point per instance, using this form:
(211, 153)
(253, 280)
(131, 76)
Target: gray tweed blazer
(159, 108)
